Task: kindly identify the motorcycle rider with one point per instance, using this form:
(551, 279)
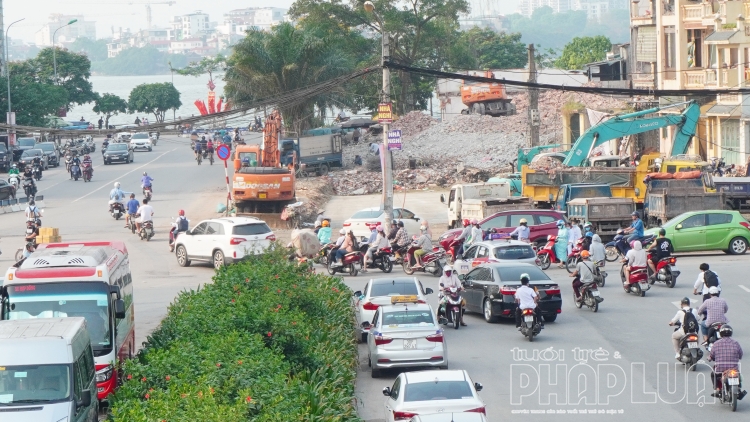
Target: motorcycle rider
(131, 209)
(574, 233)
(337, 245)
(463, 236)
(526, 298)
(146, 182)
(635, 230)
(349, 245)
(87, 161)
(14, 171)
(147, 214)
(181, 226)
(588, 228)
(584, 274)
(706, 279)
(476, 232)
(401, 239)
(635, 258)
(597, 251)
(715, 309)
(682, 318)
(727, 353)
(447, 280)
(522, 231)
(197, 147)
(32, 212)
(588, 239)
(660, 249)
(75, 161)
(117, 194)
(380, 243)
(32, 231)
(424, 245)
(37, 161)
(324, 234)
(210, 147)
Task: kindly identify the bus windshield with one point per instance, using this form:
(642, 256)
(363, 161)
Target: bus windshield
(59, 300)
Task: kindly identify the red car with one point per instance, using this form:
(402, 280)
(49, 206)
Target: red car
(541, 222)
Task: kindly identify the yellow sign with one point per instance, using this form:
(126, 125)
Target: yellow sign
(404, 299)
(262, 195)
(385, 113)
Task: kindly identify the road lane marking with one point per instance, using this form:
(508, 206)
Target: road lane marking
(123, 175)
(744, 288)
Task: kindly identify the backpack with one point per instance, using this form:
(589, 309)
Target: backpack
(710, 279)
(689, 323)
(182, 225)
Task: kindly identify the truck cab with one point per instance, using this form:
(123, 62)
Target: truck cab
(465, 201)
(568, 192)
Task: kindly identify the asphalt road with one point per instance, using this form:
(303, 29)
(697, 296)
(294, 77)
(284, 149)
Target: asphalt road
(81, 212)
(617, 363)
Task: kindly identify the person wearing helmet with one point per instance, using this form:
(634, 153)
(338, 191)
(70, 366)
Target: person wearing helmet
(726, 352)
(588, 228)
(380, 243)
(324, 232)
(706, 279)
(588, 238)
(462, 238)
(522, 231)
(526, 298)
(31, 211)
(584, 274)
(635, 259)
(715, 309)
(688, 323)
(423, 244)
(561, 244)
(198, 146)
(87, 162)
(660, 249)
(348, 245)
(402, 237)
(574, 234)
(321, 217)
(181, 225)
(14, 170)
(146, 182)
(597, 251)
(476, 233)
(636, 228)
(117, 194)
(448, 280)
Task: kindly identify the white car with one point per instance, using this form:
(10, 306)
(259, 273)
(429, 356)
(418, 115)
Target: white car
(140, 140)
(495, 251)
(378, 292)
(450, 417)
(123, 136)
(435, 391)
(223, 241)
(363, 221)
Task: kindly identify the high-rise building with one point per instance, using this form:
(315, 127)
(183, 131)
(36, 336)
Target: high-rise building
(527, 7)
(189, 26)
(81, 29)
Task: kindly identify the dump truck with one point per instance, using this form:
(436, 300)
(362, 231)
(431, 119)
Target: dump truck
(736, 192)
(480, 200)
(606, 214)
(668, 198)
(313, 154)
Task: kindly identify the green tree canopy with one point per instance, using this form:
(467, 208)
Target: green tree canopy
(267, 64)
(32, 100)
(155, 98)
(208, 65)
(482, 48)
(583, 50)
(96, 50)
(109, 105)
(73, 73)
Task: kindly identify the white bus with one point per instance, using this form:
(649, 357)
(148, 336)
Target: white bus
(87, 279)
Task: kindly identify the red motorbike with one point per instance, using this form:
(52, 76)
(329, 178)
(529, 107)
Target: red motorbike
(638, 282)
(574, 257)
(350, 263)
(451, 250)
(547, 255)
(430, 262)
(666, 271)
(87, 172)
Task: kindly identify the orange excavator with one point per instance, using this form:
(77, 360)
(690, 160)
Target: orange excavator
(486, 98)
(261, 184)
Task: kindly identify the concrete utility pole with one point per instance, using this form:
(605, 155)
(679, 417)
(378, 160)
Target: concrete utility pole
(533, 102)
(3, 65)
(388, 157)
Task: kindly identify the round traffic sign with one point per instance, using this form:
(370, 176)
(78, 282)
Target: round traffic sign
(223, 152)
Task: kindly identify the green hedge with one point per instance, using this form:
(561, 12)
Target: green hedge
(267, 341)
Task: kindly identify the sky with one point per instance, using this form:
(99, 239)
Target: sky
(132, 13)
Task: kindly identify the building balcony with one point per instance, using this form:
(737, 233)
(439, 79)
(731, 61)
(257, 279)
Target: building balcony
(695, 79)
(698, 15)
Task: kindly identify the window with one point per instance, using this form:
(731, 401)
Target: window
(402, 213)
(482, 252)
(515, 219)
(249, 159)
(376, 318)
(200, 229)
(694, 221)
(452, 196)
(396, 389)
(499, 222)
(441, 390)
(215, 228)
(365, 214)
(513, 273)
(714, 219)
(28, 384)
(514, 252)
(545, 219)
(250, 229)
(483, 274)
(394, 288)
(471, 253)
(408, 318)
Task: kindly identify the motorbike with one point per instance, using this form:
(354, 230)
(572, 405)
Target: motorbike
(622, 246)
(717, 166)
(29, 188)
(117, 210)
(714, 330)
(19, 251)
(449, 310)
(75, 171)
(600, 276)
(546, 255)
(173, 233)
(13, 181)
(147, 192)
(530, 325)
(638, 283)
(589, 296)
(730, 391)
(690, 352)
(147, 230)
(430, 262)
(199, 158)
(666, 271)
(208, 155)
(69, 160)
(323, 254)
(451, 251)
(37, 172)
(382, 260)
(574, 257)
(131, 224)
(350, 263)
(87, 171)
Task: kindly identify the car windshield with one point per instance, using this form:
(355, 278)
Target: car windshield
(251, 229)
(367, 214)
(45, 147)
(117, 147)
(408, 318)
(139, 136)
(29, 384)
(3, 147)
(513, 273)
(514, 252)
(394, 288)
(60, 300)
(440, 390)
(32, 153)
(26, 142)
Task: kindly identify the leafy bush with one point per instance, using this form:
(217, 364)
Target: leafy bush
(267, 341)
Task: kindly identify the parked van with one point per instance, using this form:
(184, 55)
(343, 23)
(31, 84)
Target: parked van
(47, 371)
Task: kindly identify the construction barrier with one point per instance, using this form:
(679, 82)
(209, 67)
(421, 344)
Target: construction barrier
(18, 205)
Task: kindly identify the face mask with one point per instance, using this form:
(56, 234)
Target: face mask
(448, 273)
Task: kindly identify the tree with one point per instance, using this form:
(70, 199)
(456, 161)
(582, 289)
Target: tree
(155, 98)
(206, 65)
(73, 73)
(484, 48)
(109, 105)
(32, 101)
(583, 50)
(268, 64)
(96, 50)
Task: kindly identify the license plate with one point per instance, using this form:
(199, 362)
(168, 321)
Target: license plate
(595, 293)
(392, 258)
(358, 266)
(262, 195)
(410, 344)
(693, 344)
(733, 381)
(528, 318)
(117, 212)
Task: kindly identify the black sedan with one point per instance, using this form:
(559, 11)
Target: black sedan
(490, 290)
(7, 191)
(118, 153)
(27, 158)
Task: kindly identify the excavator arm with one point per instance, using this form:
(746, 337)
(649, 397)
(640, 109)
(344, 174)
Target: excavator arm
(634, 123)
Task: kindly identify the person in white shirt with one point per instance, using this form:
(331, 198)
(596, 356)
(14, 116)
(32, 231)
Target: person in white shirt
(636, 258)
(522, 231)
(381, 242)
(700, 282)
(447, 280)
(476, 234)
(32, 212)
(679, 317)
(147, 214)
(574, 233)
(526, 298)
(597, 251)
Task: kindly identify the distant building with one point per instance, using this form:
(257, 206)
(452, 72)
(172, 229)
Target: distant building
(191, 45)
(65, 34)
(189, 26)
(124, 39)
(238, 21)
(594, 8)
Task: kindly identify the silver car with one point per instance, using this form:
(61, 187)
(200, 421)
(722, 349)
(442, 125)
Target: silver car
(405, 334)
(495, 251)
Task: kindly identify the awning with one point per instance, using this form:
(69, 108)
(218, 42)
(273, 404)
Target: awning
(721, 37)
(725, 110)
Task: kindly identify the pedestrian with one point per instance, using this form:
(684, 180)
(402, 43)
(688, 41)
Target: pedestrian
(145, 121)
(82, 119)
(137, 121)
(101, 123)
(561, 245)
(356, 135)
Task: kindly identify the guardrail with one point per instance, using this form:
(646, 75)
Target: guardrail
(8, 206)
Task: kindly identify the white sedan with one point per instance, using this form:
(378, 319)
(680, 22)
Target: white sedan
(363, 221)
(435, 391)
(495, 251)
(140, 140)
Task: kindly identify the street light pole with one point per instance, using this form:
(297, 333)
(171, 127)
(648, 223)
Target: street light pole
(7, 67)
(54, 47)
(387, 201)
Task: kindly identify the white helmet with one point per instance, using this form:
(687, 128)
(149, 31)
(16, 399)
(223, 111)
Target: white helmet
(447, 268)
(342, 231)
(713, 290)
(422, 228)
(117, 185)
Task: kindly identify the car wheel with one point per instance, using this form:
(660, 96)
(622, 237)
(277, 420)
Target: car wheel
(182, 259)
(738, 246)
(549, 318)
(218, 259)
(487, 308)
(375, 372)
(149, 150)
(363, 337)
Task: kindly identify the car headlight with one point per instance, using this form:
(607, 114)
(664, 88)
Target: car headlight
(104, 374)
